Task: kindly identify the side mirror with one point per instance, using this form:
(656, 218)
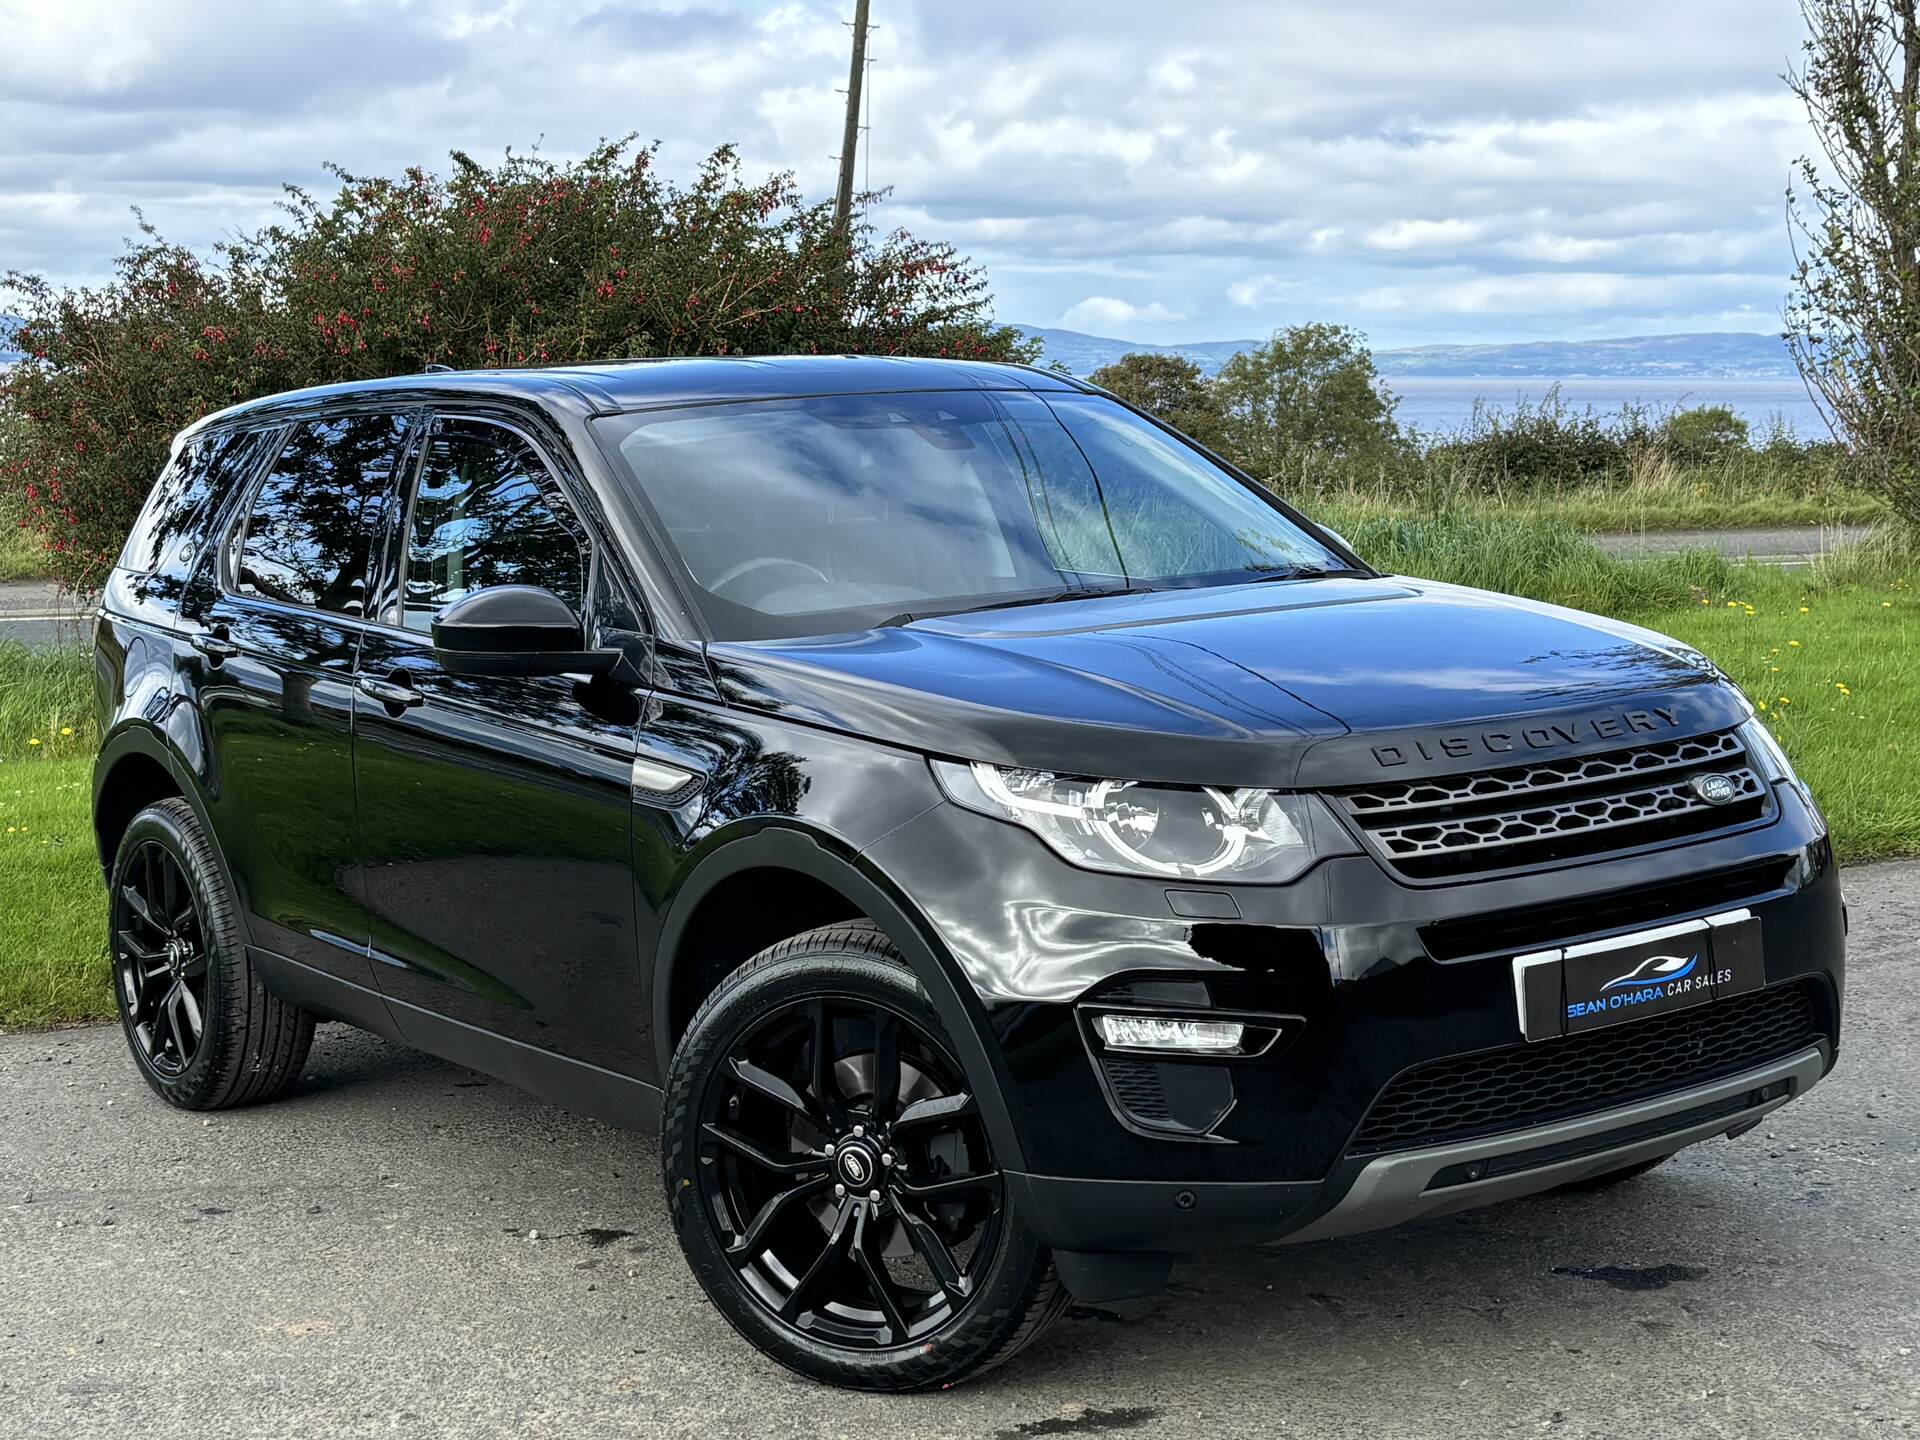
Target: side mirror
(515, 630)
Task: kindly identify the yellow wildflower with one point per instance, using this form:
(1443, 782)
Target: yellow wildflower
(66, 729)
(34, 741)
(1794, 643)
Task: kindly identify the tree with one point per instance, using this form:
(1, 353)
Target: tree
(1308, 396)
(1169, 387)
(527, 262)
(1853, 313)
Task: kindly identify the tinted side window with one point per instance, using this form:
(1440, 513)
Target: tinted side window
(318, 512)
(487, 512)
(188, 492)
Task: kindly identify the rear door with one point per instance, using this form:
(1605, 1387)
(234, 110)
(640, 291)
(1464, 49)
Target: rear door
(495, 811)
(272, 626)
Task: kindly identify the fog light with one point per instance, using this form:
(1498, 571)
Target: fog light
(1159, 1032)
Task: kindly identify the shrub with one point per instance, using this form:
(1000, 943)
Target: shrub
(1543, 444)
(1703, 435)
(528, 262)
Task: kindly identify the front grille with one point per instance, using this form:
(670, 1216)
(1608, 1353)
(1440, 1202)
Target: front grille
(1556, 810)
(1523, 1085)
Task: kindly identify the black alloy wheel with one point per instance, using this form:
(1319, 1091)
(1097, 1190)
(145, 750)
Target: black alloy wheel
(204, 1031)
(833, 1180)
(844, 1163)
(160, 959)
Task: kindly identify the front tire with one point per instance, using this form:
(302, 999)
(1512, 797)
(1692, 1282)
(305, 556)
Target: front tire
(204, 1032)
(831, 1181)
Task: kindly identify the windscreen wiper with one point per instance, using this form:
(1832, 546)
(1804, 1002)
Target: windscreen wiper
(1308, 572)
(907, 617)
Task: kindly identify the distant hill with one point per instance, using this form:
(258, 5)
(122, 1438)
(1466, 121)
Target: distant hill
(8, 324)
(1722, 354)
(1083, 354)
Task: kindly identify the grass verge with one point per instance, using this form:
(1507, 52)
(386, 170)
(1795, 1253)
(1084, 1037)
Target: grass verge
(53, 960)
(1832, 653)
(53, 927)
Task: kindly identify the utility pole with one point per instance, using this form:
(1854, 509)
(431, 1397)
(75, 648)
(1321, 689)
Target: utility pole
(850, 139)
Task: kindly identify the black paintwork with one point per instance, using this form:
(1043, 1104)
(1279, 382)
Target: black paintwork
(458, 860)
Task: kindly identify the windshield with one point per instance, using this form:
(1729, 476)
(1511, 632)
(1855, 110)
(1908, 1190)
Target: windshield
(829, 514)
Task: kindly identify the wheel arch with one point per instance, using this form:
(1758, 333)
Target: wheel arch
(137, 766)
(820, 861)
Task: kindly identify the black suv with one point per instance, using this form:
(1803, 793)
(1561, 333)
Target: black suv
(999, 845)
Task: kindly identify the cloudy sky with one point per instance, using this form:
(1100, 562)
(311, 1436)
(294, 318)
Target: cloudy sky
(1425, 170)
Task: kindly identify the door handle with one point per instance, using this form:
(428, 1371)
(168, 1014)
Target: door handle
(389, 692)
(214, 644)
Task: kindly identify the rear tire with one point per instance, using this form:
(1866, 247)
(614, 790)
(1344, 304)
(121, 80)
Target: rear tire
(907, 1292)
(203, 1030)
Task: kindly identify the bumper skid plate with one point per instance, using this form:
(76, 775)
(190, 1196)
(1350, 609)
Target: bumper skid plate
(1441, 1179)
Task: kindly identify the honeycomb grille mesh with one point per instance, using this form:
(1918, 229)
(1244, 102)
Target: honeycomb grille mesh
(1527, 781)
(1558, 809)
(1496, 1090)
(1545, 822)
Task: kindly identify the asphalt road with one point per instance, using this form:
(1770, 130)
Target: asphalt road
(403, 1248)
(1789, 546)
(37, 615)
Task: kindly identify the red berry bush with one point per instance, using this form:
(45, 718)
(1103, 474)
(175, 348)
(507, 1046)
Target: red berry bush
(530, 262)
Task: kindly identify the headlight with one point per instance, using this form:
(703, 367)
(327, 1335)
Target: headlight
(1773, 763)
(1227, 836)
(1766, 751)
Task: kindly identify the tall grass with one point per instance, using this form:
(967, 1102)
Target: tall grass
(46, 702)
(22, 557)
(1534, 558)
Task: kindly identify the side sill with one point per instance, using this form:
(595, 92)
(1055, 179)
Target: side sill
(328, 996)
(616, 1099)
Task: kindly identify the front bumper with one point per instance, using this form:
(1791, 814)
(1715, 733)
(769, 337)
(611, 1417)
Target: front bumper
(1387, 978)
(1177, 1216)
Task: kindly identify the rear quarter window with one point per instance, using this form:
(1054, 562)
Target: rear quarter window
(187, 494)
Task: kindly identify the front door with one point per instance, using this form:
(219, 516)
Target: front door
(495, 812)
(272, 626)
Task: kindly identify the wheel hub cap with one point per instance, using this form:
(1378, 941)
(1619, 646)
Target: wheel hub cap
(856, 1164)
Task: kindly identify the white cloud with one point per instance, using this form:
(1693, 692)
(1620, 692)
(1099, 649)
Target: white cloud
(1425, 234)
(1174, 73)
(1557, 293)
(1245, 163)
(1258, 290)
(1104, 315)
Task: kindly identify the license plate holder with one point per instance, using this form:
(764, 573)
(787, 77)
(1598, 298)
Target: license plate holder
(1638, 976)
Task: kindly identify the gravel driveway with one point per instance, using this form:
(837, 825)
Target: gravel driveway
(405, 1248)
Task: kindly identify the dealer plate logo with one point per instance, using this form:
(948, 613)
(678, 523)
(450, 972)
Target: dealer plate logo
(1654, 970)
